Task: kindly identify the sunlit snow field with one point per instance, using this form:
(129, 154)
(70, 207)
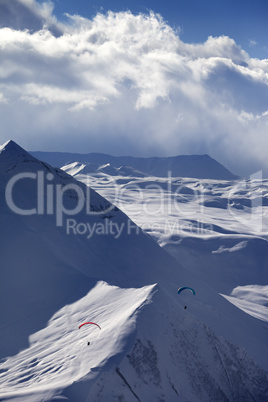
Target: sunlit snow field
(188, 207)
(171, 209)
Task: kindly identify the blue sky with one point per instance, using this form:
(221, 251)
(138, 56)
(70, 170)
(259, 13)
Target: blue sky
(243, 20)
(76, 77)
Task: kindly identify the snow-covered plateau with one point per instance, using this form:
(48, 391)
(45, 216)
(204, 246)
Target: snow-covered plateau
(111, 244)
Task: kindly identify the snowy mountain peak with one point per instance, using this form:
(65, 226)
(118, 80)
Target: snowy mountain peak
(11, 147)
(12, 155)
(24, 177)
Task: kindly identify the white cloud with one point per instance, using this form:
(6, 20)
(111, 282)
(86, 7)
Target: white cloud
(118, 83)
(252, 43)
(2, 98)
(29, 14)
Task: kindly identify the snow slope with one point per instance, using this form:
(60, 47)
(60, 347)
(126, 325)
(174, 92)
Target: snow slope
(29, 371)
(54, 265)
(216, 229)
(253, 299)
(186, 361)
(149, 347)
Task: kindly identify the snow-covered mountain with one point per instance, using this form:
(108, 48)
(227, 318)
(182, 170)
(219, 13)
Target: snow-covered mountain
(68, 255)
(221, 226)
(199, 166)
(92, 169)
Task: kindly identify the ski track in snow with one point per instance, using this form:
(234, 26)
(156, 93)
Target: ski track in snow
(62, 348)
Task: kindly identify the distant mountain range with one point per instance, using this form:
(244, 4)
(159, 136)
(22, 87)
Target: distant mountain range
(196, 166)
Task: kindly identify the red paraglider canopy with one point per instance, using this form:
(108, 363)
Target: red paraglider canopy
(89, 323)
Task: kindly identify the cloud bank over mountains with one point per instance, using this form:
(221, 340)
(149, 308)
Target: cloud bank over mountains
(127, 84)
